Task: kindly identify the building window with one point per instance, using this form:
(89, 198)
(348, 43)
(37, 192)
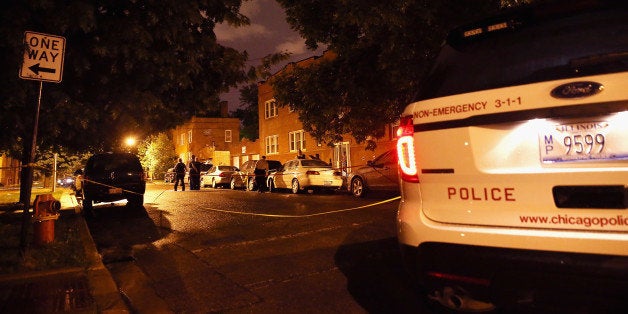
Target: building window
(228, 136)
(270, 109)
(271, 144)
(190, 136)
(182, 139)
(297, 140)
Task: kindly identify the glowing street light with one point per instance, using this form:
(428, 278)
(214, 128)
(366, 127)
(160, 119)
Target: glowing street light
(130, 141)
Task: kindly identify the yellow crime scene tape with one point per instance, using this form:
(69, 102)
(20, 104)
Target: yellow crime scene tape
(307, 215)
(264, 214)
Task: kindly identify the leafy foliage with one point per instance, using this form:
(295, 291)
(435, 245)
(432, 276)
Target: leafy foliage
(130, 67)
(157, 154)
(248, 114)
(248, 95)
(383, 51)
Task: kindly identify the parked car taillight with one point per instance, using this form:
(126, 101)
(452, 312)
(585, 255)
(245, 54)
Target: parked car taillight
(405, 150)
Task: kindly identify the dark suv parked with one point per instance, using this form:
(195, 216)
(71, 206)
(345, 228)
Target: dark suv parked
(113, 177)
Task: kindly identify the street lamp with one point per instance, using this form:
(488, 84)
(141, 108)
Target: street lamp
(130, 143)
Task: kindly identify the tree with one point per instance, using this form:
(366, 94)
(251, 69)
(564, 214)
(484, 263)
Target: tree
(157, 154)
(248, 114)
(248, 95)
(383, 51)
(141, 66)
(67, 163)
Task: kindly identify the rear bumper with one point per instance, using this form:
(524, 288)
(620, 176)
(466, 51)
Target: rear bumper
(319, 183)
(506, 266)
(511, 278)
(102, 193)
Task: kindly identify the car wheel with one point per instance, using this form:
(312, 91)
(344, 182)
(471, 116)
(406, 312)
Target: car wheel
(250, 185)
(88, 207)
(232, 184)
(136, 200)
(296, 188)
(357, 187)
(213, 183)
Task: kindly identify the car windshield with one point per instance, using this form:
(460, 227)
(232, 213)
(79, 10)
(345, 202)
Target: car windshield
(314, 163)
(544, 48)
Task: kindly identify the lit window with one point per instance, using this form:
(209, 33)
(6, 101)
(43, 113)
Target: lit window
(270, 109)
(297, 140)
(271, 144)
(190, 136)
(182, 139)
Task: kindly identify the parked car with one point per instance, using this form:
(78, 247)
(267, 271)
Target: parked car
(246, 176)
(218, 176)
(65, 181)
(204, 168)
(380, 174)
(515, 178)
(302, 174)
(111, 177)
(169, 176)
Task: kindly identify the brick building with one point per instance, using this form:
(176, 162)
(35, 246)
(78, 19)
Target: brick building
(281, 133)
(210, 139)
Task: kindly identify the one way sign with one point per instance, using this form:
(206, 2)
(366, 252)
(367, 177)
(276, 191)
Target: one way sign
(43, 57)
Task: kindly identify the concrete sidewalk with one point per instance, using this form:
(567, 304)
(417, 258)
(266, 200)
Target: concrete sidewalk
(71, 290)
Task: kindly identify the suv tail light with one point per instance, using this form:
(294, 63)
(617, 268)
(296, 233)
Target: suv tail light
(405, 150)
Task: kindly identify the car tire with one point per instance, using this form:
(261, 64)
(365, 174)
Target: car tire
(296, 188)
(358, 189)
(88, 207)
(135, 200)
(232, 184)
(250, 185)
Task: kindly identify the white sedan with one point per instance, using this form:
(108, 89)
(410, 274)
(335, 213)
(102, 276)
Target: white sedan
(218, 176)
(303, 174)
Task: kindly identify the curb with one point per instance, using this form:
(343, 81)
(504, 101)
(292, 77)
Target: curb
(101, 283)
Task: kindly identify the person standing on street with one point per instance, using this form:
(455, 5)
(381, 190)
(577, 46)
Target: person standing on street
(179, 175)
(195, 174)
(261, 172)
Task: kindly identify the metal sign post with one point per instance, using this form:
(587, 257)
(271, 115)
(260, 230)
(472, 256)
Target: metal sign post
(43, 61)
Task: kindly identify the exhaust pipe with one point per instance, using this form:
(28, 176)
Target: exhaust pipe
(459, 300)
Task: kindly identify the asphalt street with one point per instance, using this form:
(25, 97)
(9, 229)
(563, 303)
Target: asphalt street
(219, 250)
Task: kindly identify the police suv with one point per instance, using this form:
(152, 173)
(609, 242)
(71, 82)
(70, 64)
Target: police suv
(514, 163)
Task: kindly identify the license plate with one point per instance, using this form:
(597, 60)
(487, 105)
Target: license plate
(587, 140)
(115, 191)
(327, 183)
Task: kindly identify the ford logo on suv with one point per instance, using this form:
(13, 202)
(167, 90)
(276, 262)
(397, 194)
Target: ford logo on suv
(577, 90)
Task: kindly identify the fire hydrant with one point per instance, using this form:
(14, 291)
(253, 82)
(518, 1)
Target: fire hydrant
(46, 211)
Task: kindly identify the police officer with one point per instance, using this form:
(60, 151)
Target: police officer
(179, 175)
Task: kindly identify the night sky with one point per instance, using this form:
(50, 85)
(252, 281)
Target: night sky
(268, 33)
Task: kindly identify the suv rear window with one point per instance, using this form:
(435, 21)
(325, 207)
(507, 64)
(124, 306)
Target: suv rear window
(107, 163)
(489, 55)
